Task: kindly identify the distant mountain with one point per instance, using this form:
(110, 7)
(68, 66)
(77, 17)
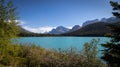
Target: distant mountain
(22, 30)
(95, 29)
(110, 20)
(106, 20)
(59, 30)
(90, 22)
(74, 28)
(90, 28)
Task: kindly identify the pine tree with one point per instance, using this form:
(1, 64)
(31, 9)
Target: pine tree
(111, 52)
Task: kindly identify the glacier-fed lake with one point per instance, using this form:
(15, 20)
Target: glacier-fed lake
(61, 42)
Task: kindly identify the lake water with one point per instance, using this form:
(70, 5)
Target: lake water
(61, 42)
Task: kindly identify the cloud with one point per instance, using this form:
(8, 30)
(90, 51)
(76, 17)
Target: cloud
(39, 29)
(21, 22)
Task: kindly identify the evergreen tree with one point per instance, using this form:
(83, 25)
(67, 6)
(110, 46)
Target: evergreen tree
(8, 25)
(111, 52)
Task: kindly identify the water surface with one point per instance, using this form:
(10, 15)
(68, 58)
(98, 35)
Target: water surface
(60, 42)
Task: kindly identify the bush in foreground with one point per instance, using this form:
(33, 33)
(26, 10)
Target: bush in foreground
(34, 56)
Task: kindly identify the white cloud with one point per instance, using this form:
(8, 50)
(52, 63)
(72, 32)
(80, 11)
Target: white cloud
(21, 22)
(39, 29)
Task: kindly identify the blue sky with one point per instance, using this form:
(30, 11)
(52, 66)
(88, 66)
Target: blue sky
(37, 14)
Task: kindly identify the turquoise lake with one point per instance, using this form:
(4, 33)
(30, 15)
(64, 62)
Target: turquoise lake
(61, 42)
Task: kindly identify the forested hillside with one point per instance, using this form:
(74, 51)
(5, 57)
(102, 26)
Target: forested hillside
(95, 29)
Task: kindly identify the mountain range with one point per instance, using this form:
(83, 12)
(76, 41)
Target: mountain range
(74, 28)
(89, 28)
(94, 29)
(61, 29)
(106, 20)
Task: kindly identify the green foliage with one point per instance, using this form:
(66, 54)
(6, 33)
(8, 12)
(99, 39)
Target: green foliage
(35, 56)
(116, 6)
(111, 53)
(8, 24)
(39, 57)
(8, 30)
(90, 52)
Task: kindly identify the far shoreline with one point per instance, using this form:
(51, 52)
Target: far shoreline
(62, 36)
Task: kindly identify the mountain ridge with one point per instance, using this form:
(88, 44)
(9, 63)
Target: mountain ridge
(106, 20)
(95, 29)
(97, 26)
(59, 30)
